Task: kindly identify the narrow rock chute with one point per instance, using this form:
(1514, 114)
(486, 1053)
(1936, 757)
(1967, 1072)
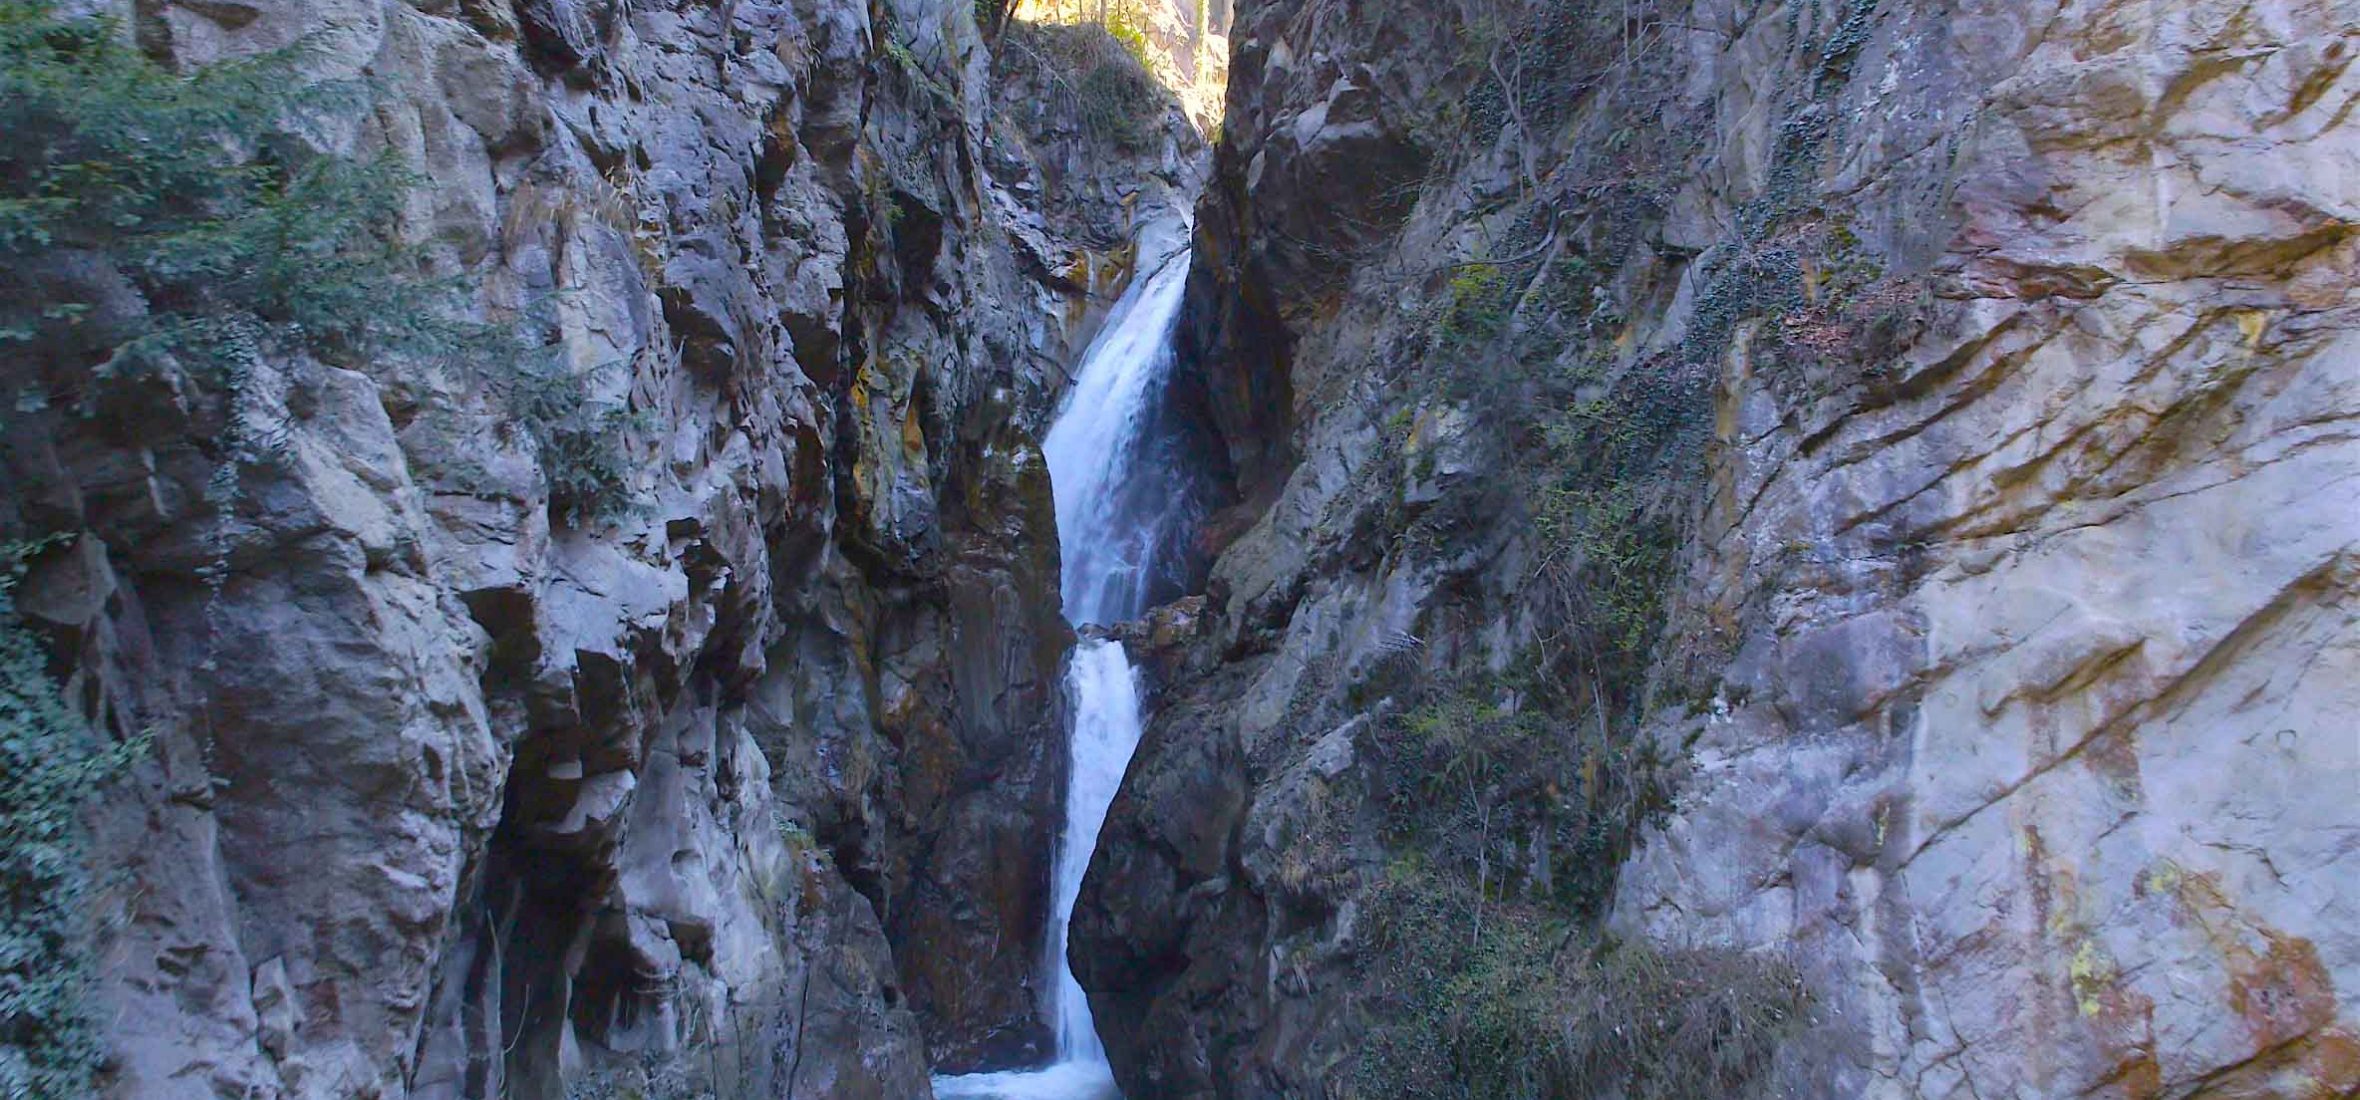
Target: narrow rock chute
(1115, 511)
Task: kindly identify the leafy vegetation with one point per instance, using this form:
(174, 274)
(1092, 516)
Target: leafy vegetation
(50, 765)
(1478, 307)
(1512, 797)
(1523, 70)
(1101, 73)
(159, 228)
(1515, 800)
(588, 474)
(1118, 103)
(1527, 1007)
(231, 241)
(162, 235)
(1601, 449)
(1128, 25)
(1127, 20)
(659, 1077)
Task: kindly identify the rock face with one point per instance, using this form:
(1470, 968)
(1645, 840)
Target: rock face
(744, 786)
(1986, 373)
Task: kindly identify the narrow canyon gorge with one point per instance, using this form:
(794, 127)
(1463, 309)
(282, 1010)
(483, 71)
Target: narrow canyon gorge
(1180, 549)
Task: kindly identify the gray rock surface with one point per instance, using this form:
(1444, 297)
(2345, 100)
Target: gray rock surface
(1956, 605)
(2006, 662)
(746, 787)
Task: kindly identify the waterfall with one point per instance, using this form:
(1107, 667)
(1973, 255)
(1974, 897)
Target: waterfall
(1106, 533)
(1116, 507)
(1105, 731)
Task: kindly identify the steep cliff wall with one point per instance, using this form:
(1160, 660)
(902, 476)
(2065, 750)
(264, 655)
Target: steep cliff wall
(1802, 548)
(742, 779)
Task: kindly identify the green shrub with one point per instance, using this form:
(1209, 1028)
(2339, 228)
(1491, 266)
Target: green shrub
(192, 189)
(1118, 105)
(1478, 305)
(1523, 802)
(1610, 561)
(1129, 28)
(1518, 1005)
(1602, 456)
(1101, 75)
(50, 764)
(236, 240)
(576, 439)
(1524, 65)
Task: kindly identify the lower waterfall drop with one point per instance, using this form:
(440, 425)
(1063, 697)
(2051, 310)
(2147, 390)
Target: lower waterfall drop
(1105, 732)
(1111, 521)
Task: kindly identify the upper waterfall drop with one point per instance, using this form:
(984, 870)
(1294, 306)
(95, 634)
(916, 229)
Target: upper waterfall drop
(1108, 539)
(1111, 520)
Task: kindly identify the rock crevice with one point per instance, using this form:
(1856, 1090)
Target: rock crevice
(743, 780)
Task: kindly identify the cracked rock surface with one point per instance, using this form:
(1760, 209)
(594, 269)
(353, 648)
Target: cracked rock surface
(746, 787)
(2011, 657)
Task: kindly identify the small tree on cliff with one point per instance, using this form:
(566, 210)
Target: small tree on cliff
(157, 227)
(187, 208)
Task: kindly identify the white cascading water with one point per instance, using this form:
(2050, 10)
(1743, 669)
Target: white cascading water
(1108, 546)
(1105, 731)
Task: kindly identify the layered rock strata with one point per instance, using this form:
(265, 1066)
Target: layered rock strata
(2000, 674)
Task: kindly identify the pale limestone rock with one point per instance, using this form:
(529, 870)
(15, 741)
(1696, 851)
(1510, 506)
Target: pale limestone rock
(2013, 676)
(274, 1008)
(2096, 732)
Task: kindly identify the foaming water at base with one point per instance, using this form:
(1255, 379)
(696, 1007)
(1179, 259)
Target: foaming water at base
(1063, 1081)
